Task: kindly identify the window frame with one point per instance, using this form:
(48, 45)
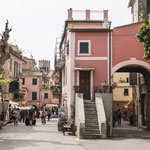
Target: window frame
(35, 97)
(126, 94)
(33, 82)
(84, 41)
(23, 81)
(45, 97)
(10, 68)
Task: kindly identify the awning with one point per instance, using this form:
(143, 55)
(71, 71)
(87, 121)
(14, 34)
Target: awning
(129, 105)
(13, 103)
(51, 105)
(84, 68)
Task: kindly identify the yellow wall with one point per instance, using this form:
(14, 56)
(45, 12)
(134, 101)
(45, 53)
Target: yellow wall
(118, 92)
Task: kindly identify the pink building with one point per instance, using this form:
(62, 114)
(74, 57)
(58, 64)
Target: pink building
(84, 53)
(37, 85)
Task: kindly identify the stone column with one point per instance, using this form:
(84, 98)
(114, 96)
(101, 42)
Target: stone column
(105, 15)
(70, 14)
(87, 15)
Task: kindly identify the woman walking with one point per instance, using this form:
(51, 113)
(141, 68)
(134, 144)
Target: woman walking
(16, 116)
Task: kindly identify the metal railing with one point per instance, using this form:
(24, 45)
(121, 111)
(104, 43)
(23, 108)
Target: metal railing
(60, 54)
(90, 91)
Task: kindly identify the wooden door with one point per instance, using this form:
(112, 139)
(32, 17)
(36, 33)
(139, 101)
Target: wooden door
(85, 84)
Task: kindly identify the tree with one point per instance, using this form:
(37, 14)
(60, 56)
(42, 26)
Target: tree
(4, 55)
(4, 50)
(143, 36)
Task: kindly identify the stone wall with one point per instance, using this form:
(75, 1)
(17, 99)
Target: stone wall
(79, 115)
(107, 101)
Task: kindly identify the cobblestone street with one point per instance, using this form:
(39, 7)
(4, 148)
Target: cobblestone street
(48, 138)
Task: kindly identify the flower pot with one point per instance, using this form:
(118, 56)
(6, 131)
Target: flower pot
(105, 88)
(76, 89)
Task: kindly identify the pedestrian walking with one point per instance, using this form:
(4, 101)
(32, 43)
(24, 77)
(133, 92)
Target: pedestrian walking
(119, 117)
(16, 116)
(31, 116)
(43, 117)
(49, 114)
(115, 118)
(22, 115)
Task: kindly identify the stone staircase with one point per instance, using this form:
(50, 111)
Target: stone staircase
(91, 121)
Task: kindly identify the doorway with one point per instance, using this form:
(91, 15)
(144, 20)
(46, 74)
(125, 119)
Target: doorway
(84, 82)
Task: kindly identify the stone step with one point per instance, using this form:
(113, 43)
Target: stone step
(89, 104)
(89, 108)
(91, 123)
(88, 127)
(93, 136)
(93, 112)
(91, 119)
(90, 115)
(92, 132)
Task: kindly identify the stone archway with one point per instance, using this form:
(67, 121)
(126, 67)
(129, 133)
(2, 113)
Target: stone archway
(142, 67)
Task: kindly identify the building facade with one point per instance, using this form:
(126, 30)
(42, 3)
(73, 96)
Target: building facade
(13, 71)
(122, 94)
(139, 9)
(84, 53)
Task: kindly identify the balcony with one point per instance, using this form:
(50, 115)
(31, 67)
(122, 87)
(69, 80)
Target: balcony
(60, 55)
(88, 15)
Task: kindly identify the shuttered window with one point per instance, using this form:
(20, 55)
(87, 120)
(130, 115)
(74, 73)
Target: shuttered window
(84, 47)
(45, 95)
(34, 95)
(148, 6)
(126, 92)
(34, 81)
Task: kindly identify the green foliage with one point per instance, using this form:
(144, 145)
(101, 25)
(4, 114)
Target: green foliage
(4, 81)
(19, 51)
(143, 36)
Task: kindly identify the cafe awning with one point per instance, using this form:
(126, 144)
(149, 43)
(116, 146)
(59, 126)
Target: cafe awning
(129, 105)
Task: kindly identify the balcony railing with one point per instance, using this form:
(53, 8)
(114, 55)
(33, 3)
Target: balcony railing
(88, 15)
(90, 91)
(60, 55)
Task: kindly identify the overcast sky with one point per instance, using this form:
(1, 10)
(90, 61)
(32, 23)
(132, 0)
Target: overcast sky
(37, 23)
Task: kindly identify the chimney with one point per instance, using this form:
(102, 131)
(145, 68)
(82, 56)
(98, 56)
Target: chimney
(105, 15)
(70, 14)
(87, 14)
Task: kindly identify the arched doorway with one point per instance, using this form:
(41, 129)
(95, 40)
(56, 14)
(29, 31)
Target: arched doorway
(142, 68)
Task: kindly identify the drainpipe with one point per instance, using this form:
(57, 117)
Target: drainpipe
(109, 57)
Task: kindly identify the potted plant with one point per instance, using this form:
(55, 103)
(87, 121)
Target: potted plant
(75, 86)
(114, 84)
(51, 87)
(105, 86)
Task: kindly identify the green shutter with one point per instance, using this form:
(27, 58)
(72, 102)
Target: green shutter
(45, 95)
(34, 81)
(133, 78)
(34, 95)
(148, 6)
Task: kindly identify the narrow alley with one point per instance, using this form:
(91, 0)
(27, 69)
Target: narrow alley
(47, 137)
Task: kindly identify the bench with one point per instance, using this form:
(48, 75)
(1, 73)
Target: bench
(68, 128)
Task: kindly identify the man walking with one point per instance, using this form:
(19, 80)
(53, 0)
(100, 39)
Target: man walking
(119, 117)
